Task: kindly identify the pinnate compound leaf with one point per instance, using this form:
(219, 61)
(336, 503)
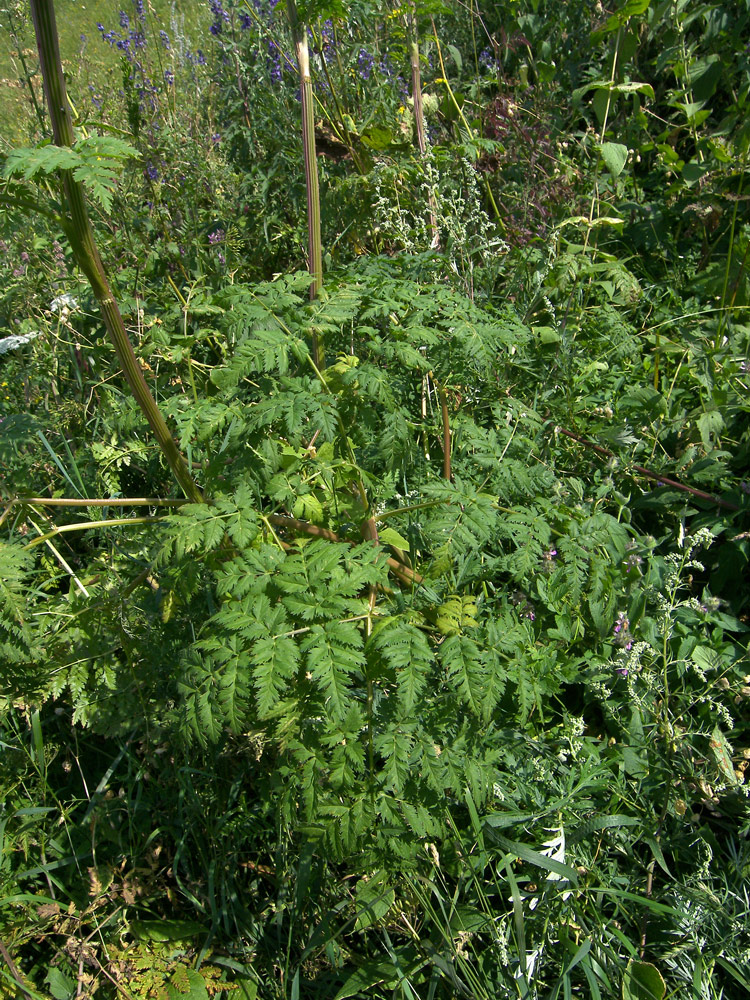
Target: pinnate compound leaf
(333, 652)
(275, 659)
(461, 659)
(29, 162)
(405, 649)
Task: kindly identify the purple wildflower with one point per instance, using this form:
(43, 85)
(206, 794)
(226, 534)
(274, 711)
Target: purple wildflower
(164, 39)
(621, 631)
(168, 77)
(328, 39)
(632, 562)
(216, 237)
(200, 58)
(151, 172)
(385, 69)
(246, 21)
(138, 4)
(124, 20)
(221, 17)
(365, 63)
(216, 138)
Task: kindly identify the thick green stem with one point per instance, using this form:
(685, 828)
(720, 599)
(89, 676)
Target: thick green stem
(314, 241)
(81, 235)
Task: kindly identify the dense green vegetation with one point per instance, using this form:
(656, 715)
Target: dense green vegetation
(409, 657)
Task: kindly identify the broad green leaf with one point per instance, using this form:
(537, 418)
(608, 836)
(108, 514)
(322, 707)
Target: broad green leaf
(166, 930)
(547, 334)
(374, 898)
(389, 536)
(706, 658)
(710, 423)
(456, 56)
(642, 981)
(629, 9)
(61, 987)
(615, 156)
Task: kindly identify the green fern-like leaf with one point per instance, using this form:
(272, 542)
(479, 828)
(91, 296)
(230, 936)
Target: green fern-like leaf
(15, 626)
(96, 162)
(404, 649)
(333, 652)
(461, 660)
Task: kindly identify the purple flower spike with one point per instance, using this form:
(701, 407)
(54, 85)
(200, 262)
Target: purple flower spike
(365, 63)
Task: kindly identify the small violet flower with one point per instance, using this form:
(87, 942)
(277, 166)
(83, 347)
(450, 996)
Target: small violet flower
(621, 631)
(548, 560)
(365, 63)
(632, 562)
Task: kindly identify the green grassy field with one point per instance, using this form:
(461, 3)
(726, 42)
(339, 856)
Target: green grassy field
(87, 59)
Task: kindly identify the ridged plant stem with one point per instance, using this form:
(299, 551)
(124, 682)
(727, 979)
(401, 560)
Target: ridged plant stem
(81, 235)
(314, 241)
